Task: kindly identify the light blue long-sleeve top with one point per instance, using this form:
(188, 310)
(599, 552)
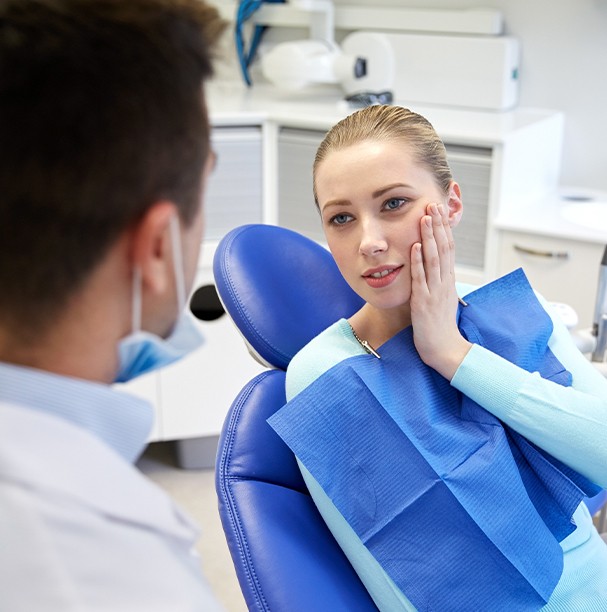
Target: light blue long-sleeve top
(568, 422)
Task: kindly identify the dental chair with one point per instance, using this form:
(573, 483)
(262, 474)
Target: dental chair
(281, 289)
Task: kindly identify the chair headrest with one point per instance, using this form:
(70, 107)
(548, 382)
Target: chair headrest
(280, 288)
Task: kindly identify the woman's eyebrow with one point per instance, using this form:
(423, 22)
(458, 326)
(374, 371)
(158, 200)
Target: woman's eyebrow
(376, 194)
(380, 192)
(336, 203)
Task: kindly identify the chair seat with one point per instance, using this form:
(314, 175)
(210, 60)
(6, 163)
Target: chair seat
(285, 556)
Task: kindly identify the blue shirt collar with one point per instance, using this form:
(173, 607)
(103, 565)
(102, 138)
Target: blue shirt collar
(119, 419)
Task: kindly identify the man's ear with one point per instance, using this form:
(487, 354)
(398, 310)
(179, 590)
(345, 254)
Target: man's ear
(151, 247)
(454, 204)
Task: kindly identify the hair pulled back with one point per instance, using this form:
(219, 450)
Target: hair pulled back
(389, 123)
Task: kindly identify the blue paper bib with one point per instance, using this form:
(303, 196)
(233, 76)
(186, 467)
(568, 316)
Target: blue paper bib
(460, 511)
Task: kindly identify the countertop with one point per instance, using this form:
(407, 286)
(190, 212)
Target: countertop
(320, 107)
(571, 213)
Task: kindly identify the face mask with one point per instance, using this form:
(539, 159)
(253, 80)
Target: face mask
(142, 351)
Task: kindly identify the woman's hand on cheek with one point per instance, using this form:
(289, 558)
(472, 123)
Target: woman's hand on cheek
(433, 296)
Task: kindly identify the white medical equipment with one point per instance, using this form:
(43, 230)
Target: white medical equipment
(363, 63)
(450, 68)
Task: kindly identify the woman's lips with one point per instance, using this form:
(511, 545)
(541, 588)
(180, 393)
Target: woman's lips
(382, 278)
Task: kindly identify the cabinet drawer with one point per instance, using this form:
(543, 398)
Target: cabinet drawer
(296, 210)
(561, 270)
(471, 169)
(234, 192)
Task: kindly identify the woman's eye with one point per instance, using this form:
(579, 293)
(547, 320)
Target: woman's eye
(394, 203)
(340, 219)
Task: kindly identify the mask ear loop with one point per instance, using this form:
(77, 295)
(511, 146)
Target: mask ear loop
(178, 262)
(136, 313)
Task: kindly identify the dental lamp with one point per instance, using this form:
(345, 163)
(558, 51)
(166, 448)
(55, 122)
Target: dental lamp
(364, 64)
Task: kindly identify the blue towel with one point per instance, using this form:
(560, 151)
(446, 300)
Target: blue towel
(461, 512)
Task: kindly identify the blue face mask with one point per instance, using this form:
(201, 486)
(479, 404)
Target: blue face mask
(141, 351)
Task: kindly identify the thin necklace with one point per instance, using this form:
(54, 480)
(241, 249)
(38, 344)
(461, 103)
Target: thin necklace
(370, 349)
(365, 344)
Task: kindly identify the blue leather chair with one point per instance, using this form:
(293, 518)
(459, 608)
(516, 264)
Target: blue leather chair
(281, 289)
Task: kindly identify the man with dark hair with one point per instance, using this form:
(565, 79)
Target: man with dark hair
(104, 153)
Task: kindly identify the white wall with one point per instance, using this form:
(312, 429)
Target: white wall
(563, 66)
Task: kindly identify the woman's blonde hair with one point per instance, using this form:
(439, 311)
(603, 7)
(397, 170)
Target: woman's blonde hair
(389, 123)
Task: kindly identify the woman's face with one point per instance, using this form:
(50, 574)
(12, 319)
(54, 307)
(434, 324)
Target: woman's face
(372, 196)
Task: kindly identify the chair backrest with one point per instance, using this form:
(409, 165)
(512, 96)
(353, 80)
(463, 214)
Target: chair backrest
(281, 289)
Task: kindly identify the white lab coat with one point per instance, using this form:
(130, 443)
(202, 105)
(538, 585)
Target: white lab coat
(82, 529)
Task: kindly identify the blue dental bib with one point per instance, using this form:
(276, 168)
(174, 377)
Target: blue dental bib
(460, 511)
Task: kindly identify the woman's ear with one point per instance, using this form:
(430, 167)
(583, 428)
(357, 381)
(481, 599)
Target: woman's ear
(454, 204)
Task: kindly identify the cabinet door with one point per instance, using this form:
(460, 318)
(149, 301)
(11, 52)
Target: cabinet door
(296, 208)
(471, 169)
(234, 192)
(561, 270)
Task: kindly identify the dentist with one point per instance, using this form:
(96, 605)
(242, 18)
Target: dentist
(104, 156)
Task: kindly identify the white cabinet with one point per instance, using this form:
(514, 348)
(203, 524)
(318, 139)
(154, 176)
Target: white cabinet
(296, 208)
(472, 169)
(234, 193)
(196, 392)
(561, 270)
(503, 160)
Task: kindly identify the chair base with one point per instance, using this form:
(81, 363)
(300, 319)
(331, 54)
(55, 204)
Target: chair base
(197, 453)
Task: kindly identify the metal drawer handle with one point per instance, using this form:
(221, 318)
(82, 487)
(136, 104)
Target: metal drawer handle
(537, 253)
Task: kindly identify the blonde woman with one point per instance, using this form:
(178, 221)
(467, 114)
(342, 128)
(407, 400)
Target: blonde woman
(446, 436)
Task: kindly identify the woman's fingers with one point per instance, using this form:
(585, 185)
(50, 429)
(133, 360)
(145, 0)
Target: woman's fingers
(429, 249)
(419, 284)
(437, 245)
(449, 241)
(433, 265)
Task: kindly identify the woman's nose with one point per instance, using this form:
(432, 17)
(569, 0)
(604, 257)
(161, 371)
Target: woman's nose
(372, 239)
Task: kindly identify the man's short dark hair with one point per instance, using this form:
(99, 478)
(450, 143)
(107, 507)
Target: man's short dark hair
(102, 114)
